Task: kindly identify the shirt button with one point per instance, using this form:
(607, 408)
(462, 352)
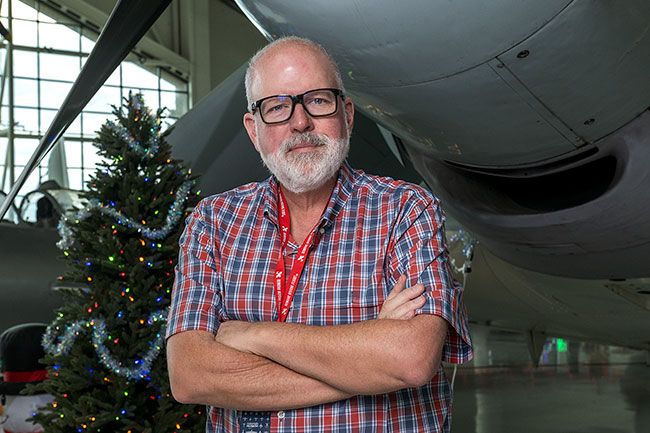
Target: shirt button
(281, 414)
(321, 231)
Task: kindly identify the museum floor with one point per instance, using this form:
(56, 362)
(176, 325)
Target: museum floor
(578, 388)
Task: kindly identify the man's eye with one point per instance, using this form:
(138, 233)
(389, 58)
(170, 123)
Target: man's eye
(276, 108)
(319, 101)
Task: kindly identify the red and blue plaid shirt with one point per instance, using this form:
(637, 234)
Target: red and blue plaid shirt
(376, 229)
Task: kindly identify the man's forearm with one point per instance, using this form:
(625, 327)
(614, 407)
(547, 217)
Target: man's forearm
(371, 357)
(206, 372)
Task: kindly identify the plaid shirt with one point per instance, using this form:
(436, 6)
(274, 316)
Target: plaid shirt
(375, 230)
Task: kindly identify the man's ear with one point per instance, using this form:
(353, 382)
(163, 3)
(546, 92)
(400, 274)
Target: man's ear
(349, 113)
(249, 124)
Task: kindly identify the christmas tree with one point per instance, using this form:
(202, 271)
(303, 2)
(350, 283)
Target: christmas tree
(106, 362)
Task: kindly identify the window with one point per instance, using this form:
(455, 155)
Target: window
(48, 55)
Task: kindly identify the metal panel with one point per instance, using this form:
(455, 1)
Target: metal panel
(591, 62)
(474, 117)
(386, 42)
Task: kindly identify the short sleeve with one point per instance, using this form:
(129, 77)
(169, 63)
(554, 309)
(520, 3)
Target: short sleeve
(418, 250)
(196, 296)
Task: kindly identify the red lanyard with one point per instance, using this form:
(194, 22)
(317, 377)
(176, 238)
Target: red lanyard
(283, 294)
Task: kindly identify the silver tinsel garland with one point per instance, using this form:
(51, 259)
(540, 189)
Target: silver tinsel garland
(468, 244)
(142, 365)
(173, 217)
(137, 102)
(123, 134)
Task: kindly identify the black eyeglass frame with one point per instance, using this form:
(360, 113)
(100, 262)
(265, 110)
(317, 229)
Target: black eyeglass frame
(298, 99)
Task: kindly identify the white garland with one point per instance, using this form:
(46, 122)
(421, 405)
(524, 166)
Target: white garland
(468, 243)
(124, 135)
(137, 101)
(98, 337)
(173, 217)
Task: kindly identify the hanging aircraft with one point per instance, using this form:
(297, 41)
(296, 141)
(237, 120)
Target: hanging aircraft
(528, 119)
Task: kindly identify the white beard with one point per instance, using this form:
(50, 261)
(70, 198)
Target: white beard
(306, 171)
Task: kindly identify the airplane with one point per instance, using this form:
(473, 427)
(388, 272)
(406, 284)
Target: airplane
(528, 119)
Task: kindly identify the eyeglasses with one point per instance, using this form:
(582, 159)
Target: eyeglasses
(280, 108)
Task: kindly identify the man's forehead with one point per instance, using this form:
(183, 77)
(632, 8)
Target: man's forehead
(292, 52)
(286, 63)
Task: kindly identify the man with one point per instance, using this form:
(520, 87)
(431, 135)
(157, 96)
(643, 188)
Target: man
(290, 296)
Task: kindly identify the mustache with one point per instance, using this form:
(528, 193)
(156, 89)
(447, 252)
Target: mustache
(303, 138)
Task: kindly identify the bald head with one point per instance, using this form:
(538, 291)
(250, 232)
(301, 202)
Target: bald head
(277, 51)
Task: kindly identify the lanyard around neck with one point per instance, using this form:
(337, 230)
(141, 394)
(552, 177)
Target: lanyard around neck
(284, 293)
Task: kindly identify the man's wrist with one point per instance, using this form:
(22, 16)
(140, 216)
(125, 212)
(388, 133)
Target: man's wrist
(255, 336)
(266, 338)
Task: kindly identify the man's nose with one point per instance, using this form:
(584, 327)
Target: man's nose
(301, 121)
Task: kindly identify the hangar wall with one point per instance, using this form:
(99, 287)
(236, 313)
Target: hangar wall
(217, 40)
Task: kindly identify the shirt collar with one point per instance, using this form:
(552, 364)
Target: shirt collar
(342, 191)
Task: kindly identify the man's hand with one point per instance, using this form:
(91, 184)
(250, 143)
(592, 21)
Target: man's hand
(402, 303)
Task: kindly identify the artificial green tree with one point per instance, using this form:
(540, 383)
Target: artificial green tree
(105, 356)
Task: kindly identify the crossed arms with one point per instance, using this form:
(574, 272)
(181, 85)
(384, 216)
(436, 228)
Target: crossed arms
(273, 366)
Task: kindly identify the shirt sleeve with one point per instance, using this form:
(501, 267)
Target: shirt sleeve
(196, 296)
(419, 251)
